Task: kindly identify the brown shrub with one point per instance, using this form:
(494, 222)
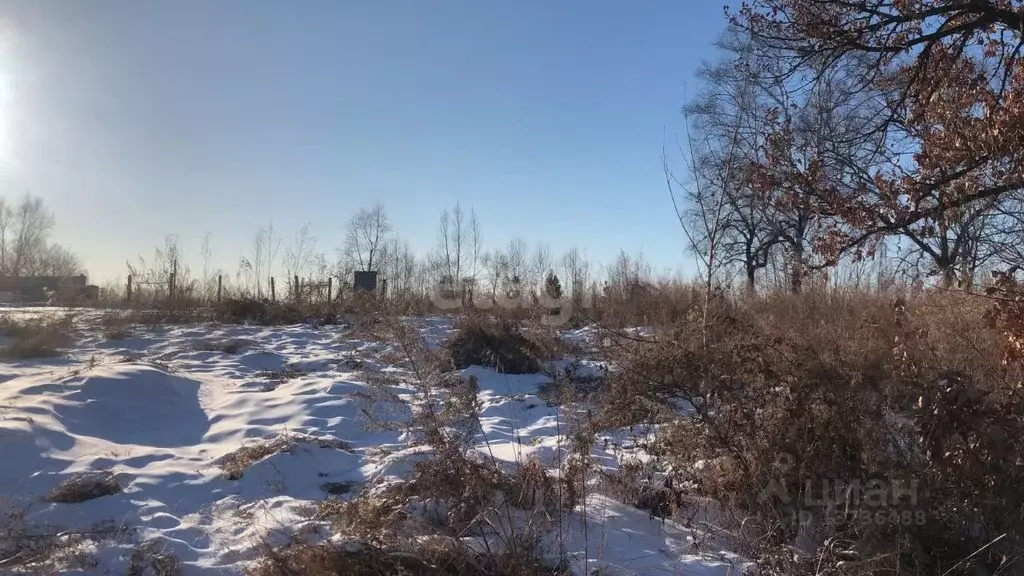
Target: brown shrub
(788, 393)
(453, 490)
(228, 346)
(149, 559)
(35, 337)
(236, 462)
(261, 312)
(27, 548)
(641, 303)
(84, 487)
(448, 496)
(115, 326)
(430, 558)
(177, 311)
(498, 343)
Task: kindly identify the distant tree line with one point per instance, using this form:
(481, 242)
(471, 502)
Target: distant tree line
(26, 248)
(457, 263)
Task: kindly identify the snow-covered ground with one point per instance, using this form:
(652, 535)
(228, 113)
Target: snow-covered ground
(160, 409)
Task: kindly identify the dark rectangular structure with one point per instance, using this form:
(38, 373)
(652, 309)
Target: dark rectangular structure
(365, 281)
(34, 288)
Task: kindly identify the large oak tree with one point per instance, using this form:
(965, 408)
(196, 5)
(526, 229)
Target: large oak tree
(947, 75)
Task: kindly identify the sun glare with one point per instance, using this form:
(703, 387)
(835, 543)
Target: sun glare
(7, 83)
(6, 152)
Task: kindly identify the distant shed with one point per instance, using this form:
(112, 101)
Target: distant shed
(365, 281)
(35, 288)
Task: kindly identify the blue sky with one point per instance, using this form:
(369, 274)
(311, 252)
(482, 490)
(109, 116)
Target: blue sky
(134, 119)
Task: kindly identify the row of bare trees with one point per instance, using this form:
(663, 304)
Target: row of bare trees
(26, 248)
(456, 261)
(805, 162)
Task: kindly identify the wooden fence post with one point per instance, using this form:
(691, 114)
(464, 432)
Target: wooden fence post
(298, 289)
(129, 293)
(219, 286)
(273, 296)
(330, 282)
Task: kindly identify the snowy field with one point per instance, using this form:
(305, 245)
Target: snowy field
(161, 408)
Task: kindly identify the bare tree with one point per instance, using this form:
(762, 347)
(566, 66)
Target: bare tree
(704, 221)
(207, 254)
(56, 260)
(31, 224)
(495, 269)
(789, 149)
(729, 117)
(456, 258)
(956, 247)
(298, 255)
(166, 266)
(400, 268)
(627, 275)
(576, 271)
(365, 237)
(265, 246)
(6, 215)
(541, 264)
(319, 267)
(457, 254)
(1004, 233)
(516, 268)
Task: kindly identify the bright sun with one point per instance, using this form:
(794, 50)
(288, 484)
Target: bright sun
(6, 152)
(7, 85)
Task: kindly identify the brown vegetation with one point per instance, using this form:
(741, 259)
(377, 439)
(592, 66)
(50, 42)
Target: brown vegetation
(84, 487)
(32, 549)
(236, 462)
(453, 492)
(42, 337)
(799, 391)
(501, 343)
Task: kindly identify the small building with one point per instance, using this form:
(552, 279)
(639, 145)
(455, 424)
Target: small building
(365, 281)
(39, 288)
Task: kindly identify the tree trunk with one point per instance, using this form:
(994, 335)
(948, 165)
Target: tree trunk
(796, 273)
(948, 276)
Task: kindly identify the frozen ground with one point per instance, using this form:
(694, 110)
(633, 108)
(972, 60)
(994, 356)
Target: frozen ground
(159, 409)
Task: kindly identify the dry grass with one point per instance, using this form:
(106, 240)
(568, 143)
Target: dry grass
(642, 303)
(277, 377)
(851, 387)
(150, 559)
(847, 386)
(264, 312)
(115, 326)
(415, 525)
(33, 549)
(179, 311)
(498, 343)
(35, 337)
(284, 374)
(84, 487)
(229, 346)
(234, 464)
(446, 498)
(432, 557)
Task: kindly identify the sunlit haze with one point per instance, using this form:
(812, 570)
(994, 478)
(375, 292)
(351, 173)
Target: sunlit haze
(134, 120)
